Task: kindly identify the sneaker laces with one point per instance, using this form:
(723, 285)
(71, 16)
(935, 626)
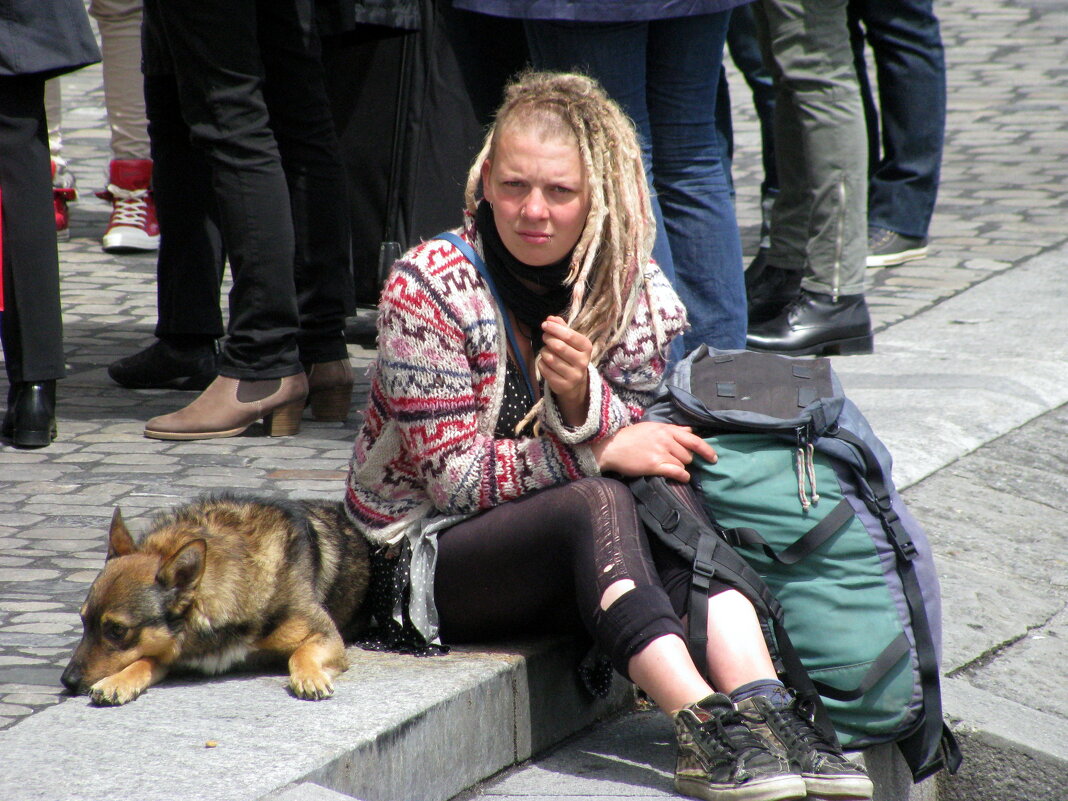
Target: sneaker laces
(881, 238)
(130, 206)
(726, 734)
(795, 728)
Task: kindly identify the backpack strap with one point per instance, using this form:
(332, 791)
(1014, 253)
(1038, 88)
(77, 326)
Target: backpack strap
(472, 256)
(932, 746)
(840, 515)
(672, 512)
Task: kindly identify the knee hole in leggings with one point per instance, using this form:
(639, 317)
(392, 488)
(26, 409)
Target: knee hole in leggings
(615, 591)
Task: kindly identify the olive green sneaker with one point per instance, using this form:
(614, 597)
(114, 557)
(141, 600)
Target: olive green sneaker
(720, 759)
(787, 730)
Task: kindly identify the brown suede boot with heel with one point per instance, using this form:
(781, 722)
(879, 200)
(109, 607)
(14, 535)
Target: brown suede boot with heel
(330, 390)
(230, 405)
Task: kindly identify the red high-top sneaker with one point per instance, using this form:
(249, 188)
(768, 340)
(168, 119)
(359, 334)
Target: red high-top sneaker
(133, 225)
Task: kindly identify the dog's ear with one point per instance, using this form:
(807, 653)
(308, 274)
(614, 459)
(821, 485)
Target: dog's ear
(181, 572)
(120, 542)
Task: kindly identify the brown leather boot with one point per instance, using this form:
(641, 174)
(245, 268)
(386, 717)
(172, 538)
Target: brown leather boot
(230, 405)
(330, 390)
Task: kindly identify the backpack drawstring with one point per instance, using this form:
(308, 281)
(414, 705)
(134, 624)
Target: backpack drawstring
(806, 469)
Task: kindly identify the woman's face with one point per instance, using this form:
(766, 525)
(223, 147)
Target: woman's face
(539, 194)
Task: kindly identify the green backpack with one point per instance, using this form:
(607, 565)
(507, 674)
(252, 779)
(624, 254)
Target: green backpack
(802, 492)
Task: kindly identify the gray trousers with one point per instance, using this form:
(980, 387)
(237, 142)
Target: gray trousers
(819, 220)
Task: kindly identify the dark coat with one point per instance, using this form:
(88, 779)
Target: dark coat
(597, 10)
(47, 37)
(341, 16)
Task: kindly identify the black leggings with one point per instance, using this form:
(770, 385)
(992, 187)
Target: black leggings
(541, 564)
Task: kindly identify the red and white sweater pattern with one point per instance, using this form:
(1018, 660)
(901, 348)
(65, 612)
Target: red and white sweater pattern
(426, 444)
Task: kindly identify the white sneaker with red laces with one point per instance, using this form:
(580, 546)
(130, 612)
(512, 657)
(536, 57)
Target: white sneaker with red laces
(133, 225)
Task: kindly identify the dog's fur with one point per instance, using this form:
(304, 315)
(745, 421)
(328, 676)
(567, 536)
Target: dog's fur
(218, 581)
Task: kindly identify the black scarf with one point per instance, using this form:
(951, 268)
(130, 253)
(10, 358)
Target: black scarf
(529, 307)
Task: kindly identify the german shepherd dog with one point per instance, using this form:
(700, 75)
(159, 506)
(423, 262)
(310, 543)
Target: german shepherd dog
(219, 581)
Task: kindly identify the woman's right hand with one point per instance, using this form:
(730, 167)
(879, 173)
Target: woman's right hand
(651, 449)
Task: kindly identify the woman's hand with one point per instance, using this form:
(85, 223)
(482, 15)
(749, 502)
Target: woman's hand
(565, 360)
(652, 449)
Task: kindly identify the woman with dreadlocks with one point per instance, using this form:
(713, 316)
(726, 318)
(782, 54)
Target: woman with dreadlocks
(515, 358)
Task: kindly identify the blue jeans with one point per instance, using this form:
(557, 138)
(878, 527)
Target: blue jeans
(906, 155)
(664, 74)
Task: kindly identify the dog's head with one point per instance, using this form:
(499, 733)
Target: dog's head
(135, 607)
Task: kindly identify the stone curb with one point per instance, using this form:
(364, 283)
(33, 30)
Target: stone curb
(397, 729)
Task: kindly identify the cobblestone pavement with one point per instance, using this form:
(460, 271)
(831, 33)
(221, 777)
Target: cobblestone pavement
(1002, 201)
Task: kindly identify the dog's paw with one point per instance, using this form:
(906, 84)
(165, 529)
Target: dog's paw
(311, 686)
(112, 691)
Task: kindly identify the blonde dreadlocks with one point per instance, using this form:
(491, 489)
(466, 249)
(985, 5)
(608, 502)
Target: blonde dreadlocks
(608, 263)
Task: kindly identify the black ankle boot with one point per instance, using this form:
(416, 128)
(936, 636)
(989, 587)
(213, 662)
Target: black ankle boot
(164, 366)
(30, 421)
(769, 290)
(816, 324)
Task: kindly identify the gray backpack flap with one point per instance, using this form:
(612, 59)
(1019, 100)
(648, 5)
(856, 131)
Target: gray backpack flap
(802, 491)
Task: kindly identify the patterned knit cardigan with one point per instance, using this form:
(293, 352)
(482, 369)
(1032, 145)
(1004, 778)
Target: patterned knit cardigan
(426, 446)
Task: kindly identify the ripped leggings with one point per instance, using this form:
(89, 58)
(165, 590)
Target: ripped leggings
(541, 564)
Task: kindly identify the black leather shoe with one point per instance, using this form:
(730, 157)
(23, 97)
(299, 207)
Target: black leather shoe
(769, 290)
(816, 324)
(30, 421)
(163, 366)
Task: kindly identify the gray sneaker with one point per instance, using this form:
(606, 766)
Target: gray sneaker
(887, 248)
(720, 759)
(828, 773)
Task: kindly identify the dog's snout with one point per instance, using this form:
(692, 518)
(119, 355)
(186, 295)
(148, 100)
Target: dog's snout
(72, 678)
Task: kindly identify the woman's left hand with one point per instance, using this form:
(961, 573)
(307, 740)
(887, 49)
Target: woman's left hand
(565, 360)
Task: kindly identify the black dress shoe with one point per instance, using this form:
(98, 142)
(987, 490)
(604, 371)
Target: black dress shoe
(30, 421)
(769, 290)
(816, 324)
(164, 366)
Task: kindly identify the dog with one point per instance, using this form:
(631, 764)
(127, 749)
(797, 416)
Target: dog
(222, 581)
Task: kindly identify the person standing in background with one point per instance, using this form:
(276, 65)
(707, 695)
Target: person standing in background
(251, 90)
(809, 297)
(39, 39)
(906, 128)
(662, 65)
(132, 226)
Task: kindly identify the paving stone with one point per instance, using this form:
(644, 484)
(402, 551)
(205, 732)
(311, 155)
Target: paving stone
(26, 574)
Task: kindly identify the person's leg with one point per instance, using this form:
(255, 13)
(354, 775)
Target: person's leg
(578, 552)
(725, 129)
(31, 324)
(683, 69)
(819, 113)
(745, 53)
(546, 559)
(295, 92)
(740, 667)
(64, 190)
(190, 261)
(119, 22)
(910, 67)
(189, 268)
(867, 91)
(32, 320)
(133, 225)
(220, 76)
(811, 296)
